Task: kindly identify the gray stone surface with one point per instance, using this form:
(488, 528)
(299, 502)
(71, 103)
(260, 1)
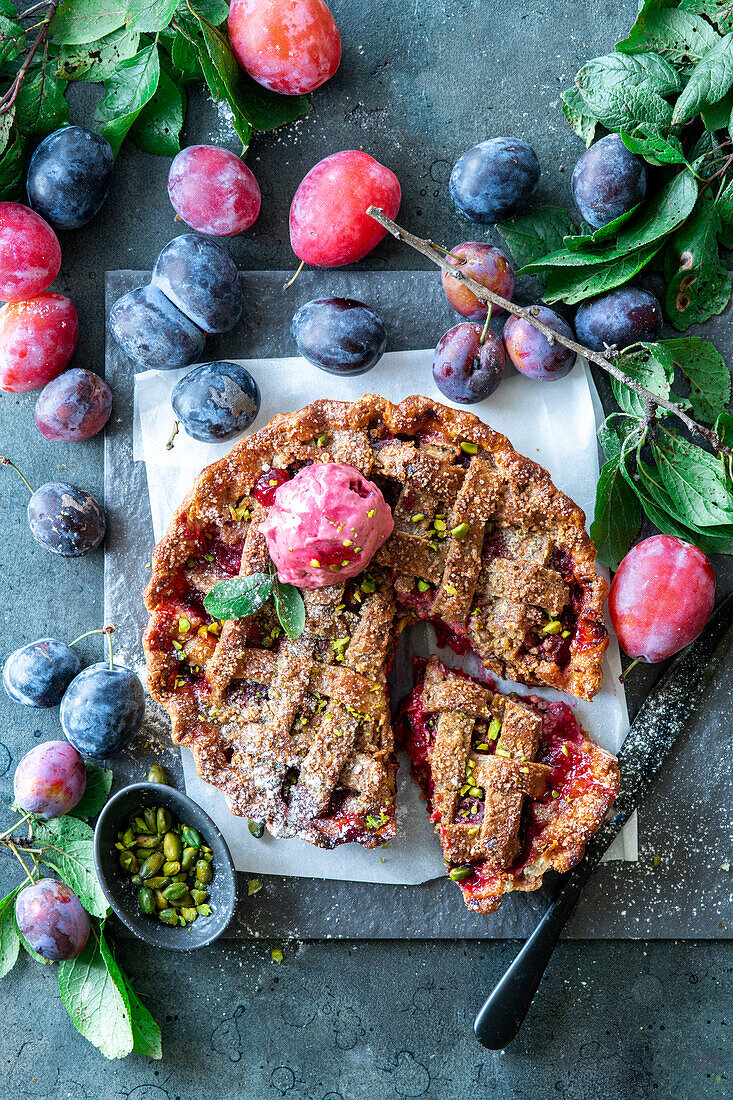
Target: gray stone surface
(420, 82)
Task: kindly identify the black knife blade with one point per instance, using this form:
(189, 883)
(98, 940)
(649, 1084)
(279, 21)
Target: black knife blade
(652, 735)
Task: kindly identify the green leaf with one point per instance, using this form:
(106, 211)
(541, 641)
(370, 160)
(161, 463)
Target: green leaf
(261, 108)
(185, 60)
(698, 283)
(621, 90)
(80, 21)
(157, 128)
(95, 61)
(150, 15)
(146, 1035)
(674, 34)
(704, 368)
(694, 480)
(530, 236)
(575, 110)
(12, 39)
(599, 236)
(68, 848)
(717, 116)
(652, 365)
(668, 209)
(12, 163)
(724, 206)
(41, 107)
(215, 11)
(95, 1001)
(239, 596)
(9, 936)
(650, 143)
(616, 430)
(618, 515)
(711, 78)
(96, 793)
(290, 608)
(132, 84)
(719, 12)
(574, 286)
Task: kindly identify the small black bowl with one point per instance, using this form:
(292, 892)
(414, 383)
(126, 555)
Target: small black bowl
(121, 893)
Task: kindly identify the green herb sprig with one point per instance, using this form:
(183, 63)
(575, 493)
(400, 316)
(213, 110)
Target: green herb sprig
(144, 53)
(241, 596)
(96, 993)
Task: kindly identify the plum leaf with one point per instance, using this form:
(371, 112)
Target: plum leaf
(575, 285)
(94, 1000)
(618, 515)
(9, 935)
(77, 22)
(96, 792)
(705, 369)
(157, 129)
(531, 236)
(698, 282)
(656, 148)
(694, 480)
(68, 848)
(676, 35)
(145, 1032)
(576, 112)
(711, 78)
(652, 365)
(132, 84)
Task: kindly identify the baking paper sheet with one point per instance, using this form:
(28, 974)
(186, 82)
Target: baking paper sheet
(554, 424)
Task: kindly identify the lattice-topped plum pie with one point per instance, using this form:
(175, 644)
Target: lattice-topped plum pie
(513, 784)
(296, 732)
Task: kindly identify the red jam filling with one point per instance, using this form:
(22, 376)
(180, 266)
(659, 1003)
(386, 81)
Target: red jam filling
(267, 485)
(562, 748)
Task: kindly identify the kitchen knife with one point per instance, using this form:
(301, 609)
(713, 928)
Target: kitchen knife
(651, 736)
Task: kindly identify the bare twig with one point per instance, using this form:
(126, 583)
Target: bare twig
(10, 96)
(529, 313)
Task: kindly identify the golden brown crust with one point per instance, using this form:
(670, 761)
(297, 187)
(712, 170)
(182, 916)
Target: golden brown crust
(516, 492)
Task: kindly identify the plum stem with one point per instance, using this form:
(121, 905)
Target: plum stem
(172, 436)
(623, 677)
(21, 861)
(485, 332)
(290, 282)
(88, 634)
(6, 462)
(109, 631)
(14, 826)
(529, 314)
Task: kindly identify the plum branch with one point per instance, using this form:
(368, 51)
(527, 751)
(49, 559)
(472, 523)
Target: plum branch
(529, 313)
(41, 39)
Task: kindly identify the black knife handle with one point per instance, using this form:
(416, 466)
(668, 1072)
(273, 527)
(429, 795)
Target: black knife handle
(650, 738)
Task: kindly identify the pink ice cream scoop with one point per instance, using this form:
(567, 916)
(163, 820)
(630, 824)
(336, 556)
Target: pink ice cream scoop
(326, 524)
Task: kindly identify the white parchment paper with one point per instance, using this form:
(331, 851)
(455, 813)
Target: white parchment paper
(554, 424)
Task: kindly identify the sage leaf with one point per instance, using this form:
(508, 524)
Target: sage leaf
(290, 608)
(676, 35)
(652, 365)
(710, 80)
(238, 597)
(9, 935)
(146, 1035)
(132, 84)
(705, 369)
(576, 112)
(573, 286)
(698, 282)
(96, 792)
(531, 236)
(79, 21)
(94, 1001)
(618, 515)
(68, 848)
(157, 129)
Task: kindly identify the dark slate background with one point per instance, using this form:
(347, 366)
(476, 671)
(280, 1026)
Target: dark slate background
(419, 83)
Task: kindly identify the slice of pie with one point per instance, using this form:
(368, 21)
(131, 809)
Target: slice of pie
(297, 732)
(513, 784)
